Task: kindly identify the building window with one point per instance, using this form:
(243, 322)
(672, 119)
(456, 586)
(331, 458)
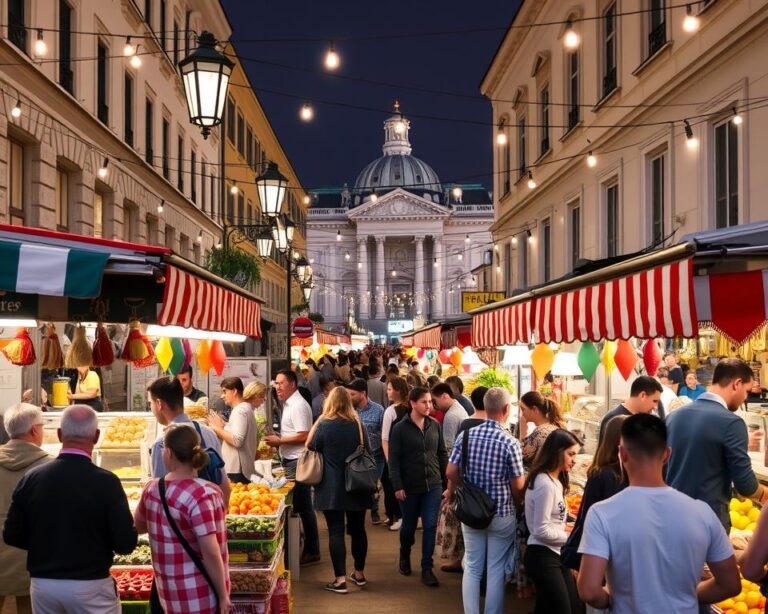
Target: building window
(240, 134)
(657, 206)
(230, 213)
(521, 158)
(240, 208)
(184, 245)
(166, 137)
(506, 172)
(128, 109)
(231, 120)
(508, 269)
(574, 218)
(148, 12)
(175, 42)
(66, 76)
(657, 26)
(102, 110)
(163, 42)
(128, 230)
(15, 181)
(180, 163)
(523, 247)
(17, 31)
(249, 146)
(203, 190)
(546, 250)
(572, 60)
(726, 175)
(250, 211)
(609, 50)
(170, 237)
(611, 197)
(544, 120)
(98, 214)
(62, 199)
(187, 28)
(149, 128)
(212, 196)
(152, 231)
(193, 176)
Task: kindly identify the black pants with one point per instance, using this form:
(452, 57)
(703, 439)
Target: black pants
(303, 506)
(391, 506)
(555, 585)
(337, 545)
(238, 478)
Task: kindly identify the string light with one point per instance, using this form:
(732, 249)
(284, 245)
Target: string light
(16, 110)
(359, 265)
(461, 256)
(591, 160)
(234, 189)
(691, 141)
(531, 181)
(307, 113)
(40, 47)
(498, 268)
(307, 199)
(457, 192)
(394, 273)
(332, 60)
(136, 59)
(530, 236)
(338, 235)
(374, 197)
(501, 136)
(129, 49)
(160, 210)
(199, 237)
(495, 247)
(467, 239)
(571, 39)
(435, 263)
(103, 170)
(347, 256)
(218, 243)
(691, 21)
(737, 119)
(514, 240)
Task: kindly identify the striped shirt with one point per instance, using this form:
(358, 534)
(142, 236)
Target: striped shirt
(494, 459)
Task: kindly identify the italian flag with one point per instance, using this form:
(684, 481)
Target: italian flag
(48, 270)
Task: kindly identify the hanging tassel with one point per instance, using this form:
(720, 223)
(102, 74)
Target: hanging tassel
(103, 355)
(79, 354)
(52, 356)
(137, 350)
(20, 351)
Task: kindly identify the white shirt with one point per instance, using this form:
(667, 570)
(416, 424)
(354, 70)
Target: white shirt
(667, 396)
(296, 418)
(656, 541)
(389, 417)
(545, 513)
(239, 458)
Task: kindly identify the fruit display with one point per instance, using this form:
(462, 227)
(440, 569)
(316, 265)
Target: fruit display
(744, 514)
(251, 551)
(748, 601)
(124, 432)
(128, 473)
(133, 584)
(265, 451)
(251, 527)
(133, 494)
(573, 501)
(254, 499)
(141, 556)
(251, 580)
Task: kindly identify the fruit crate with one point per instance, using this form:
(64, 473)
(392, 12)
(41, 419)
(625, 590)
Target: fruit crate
(252, 552)
(254, 527)
(255, 580)
(251, 605)
(133, 582)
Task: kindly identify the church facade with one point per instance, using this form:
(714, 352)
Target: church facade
(395, 251)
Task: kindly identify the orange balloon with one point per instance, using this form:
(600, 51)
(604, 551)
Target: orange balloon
(457, 356)
(203, 353)
(542, 359)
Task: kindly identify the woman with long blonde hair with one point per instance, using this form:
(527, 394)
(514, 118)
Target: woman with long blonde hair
(336, 435)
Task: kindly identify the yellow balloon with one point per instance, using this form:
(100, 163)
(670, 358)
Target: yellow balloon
(542, 359)
(607, 358)
(410, 352)
(164, 353)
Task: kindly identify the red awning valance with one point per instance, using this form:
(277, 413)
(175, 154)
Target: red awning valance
(428, 339)
(192, 302)
(329, 338)
(406, 340)
(505, 326)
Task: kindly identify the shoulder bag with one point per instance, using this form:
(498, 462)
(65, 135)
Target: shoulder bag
(309, 468)
(471, 505)
(185, 544)
(360, 473)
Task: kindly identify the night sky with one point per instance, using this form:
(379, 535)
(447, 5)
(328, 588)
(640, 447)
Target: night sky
(340, 141)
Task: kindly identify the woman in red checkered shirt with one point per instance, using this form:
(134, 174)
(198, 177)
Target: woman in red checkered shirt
(197, 507)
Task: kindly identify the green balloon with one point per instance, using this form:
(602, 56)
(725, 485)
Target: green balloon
(588, 359)
(177, 362)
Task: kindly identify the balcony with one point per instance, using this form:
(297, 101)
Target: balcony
(467, 210)
(609, 82)
(327, 213)
(657, 38)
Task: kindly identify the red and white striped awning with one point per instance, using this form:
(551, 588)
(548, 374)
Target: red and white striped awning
(406, 340)
(658, 302)
(192, 302)
(329, 338)
(505, 326)
(428, 338)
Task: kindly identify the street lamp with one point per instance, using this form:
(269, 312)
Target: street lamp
(306, 287)
(271, 187)
(301, 269)
(282, 232)
(205, 74)
(264, 243)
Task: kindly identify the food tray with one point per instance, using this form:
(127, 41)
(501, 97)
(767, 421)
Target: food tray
(277, 514)
(252, 605)
(250, 527)
(133, 583)
(252, 552)
(253, 580)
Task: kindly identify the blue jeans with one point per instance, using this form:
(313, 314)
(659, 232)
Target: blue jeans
(381, 461)
(491, 545)
(426, 505)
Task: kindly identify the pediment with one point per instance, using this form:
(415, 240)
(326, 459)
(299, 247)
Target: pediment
(399, 204)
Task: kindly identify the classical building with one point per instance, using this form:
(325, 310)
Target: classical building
(668, 104)
(396, 250)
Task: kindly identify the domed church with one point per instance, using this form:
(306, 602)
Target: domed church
(395, 251)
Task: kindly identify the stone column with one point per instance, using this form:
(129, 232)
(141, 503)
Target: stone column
(380, 280)
(418, 290)
(438, 287)
(362, 276)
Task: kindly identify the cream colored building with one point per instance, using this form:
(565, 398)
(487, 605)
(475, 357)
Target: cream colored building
(624, 93)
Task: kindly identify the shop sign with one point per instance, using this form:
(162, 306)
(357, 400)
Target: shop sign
(473, 300)
(399, 326)
(13, 305)
(303, 328)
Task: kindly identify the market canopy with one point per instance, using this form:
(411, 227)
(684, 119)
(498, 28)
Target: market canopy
(428, 338)
(330, 338)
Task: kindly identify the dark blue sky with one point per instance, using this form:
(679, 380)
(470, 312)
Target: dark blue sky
(336, 145)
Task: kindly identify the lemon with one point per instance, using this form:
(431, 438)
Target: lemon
(753, 514)
(741, 523)
(734, 505)
(746, 505)
(752, 526)
(734, 517)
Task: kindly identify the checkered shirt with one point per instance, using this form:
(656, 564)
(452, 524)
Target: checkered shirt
(495, 458)
(197, 507)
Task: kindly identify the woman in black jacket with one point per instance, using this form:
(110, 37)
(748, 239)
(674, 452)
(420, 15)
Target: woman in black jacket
(336, 435)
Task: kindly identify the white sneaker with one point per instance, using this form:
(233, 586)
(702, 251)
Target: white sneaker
(396, 525)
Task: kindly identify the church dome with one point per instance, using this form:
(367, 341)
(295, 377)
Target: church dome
(397, 167)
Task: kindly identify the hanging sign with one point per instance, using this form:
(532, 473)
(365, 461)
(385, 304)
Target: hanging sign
(303, 328)
(473, 300)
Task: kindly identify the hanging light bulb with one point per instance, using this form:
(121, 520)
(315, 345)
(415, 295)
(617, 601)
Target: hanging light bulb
(530, 236)
(40, 47)
(16, 110)
(514, 240)
(501, 136)
(461, 256)
(200, 237)
(332, 60)
(347, 256)
(737, 119)
(103, 170)
(571, 39)
(591, 160)
(338, 235)
(495, 247)
(498, 268)
(691, 141)
(234, 189)
(457, 192)
(129, 48)
(531, 181)
(307, 199)
(435, 263)
(691, 21)
(467, 239)
(218, 243)
(394, 273)
(160, 208)
(359, 265)
(136, 59)
(374, 197)
(307, 113)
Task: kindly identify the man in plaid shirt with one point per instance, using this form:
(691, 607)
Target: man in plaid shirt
(494, 464)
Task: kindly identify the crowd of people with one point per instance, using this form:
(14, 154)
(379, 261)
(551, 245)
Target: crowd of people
(427, 441)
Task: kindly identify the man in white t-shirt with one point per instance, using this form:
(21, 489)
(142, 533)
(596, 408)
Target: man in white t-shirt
(295, 424)
(651, 541)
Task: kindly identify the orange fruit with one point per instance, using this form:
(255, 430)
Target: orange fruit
(741, 607)
(752, 599)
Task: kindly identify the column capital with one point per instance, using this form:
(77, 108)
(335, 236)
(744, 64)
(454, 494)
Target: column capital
(379, 239)
(362, 238)
(419, 238)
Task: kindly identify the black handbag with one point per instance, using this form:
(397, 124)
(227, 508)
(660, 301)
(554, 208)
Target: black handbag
(471, 504)
(361, 475)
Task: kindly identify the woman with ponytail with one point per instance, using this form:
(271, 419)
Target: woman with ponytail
(184, 516)
(546, 415)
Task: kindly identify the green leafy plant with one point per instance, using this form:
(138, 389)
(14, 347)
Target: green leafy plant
(300, 307)
(234, 265)
(316, 317)
(491, 378)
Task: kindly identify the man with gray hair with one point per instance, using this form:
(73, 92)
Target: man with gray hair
(491, 459)
(71, 517)
(22, 453)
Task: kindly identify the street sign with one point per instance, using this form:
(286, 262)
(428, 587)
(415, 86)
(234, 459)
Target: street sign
(399, 326)
(303, 328)
(473, 300)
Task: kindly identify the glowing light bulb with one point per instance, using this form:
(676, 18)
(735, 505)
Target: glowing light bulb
(690, 141)
(307, 199)
(307, 112)
(40, 47)
(129, 48)
(160, 210)
(457, 192)
(691, 22)
(435, 263)
(591, 160)
(531, 181)
(347, 256)
(501, 137)
(467, 239)
(103, 169)
(399, 127)
(737, 119)
(394, 273)
(136, 61)
(338, 235)
(16, 110)
(332, 60)
(514, 240)
(234, 189)
(374, 197)
(571, 39)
